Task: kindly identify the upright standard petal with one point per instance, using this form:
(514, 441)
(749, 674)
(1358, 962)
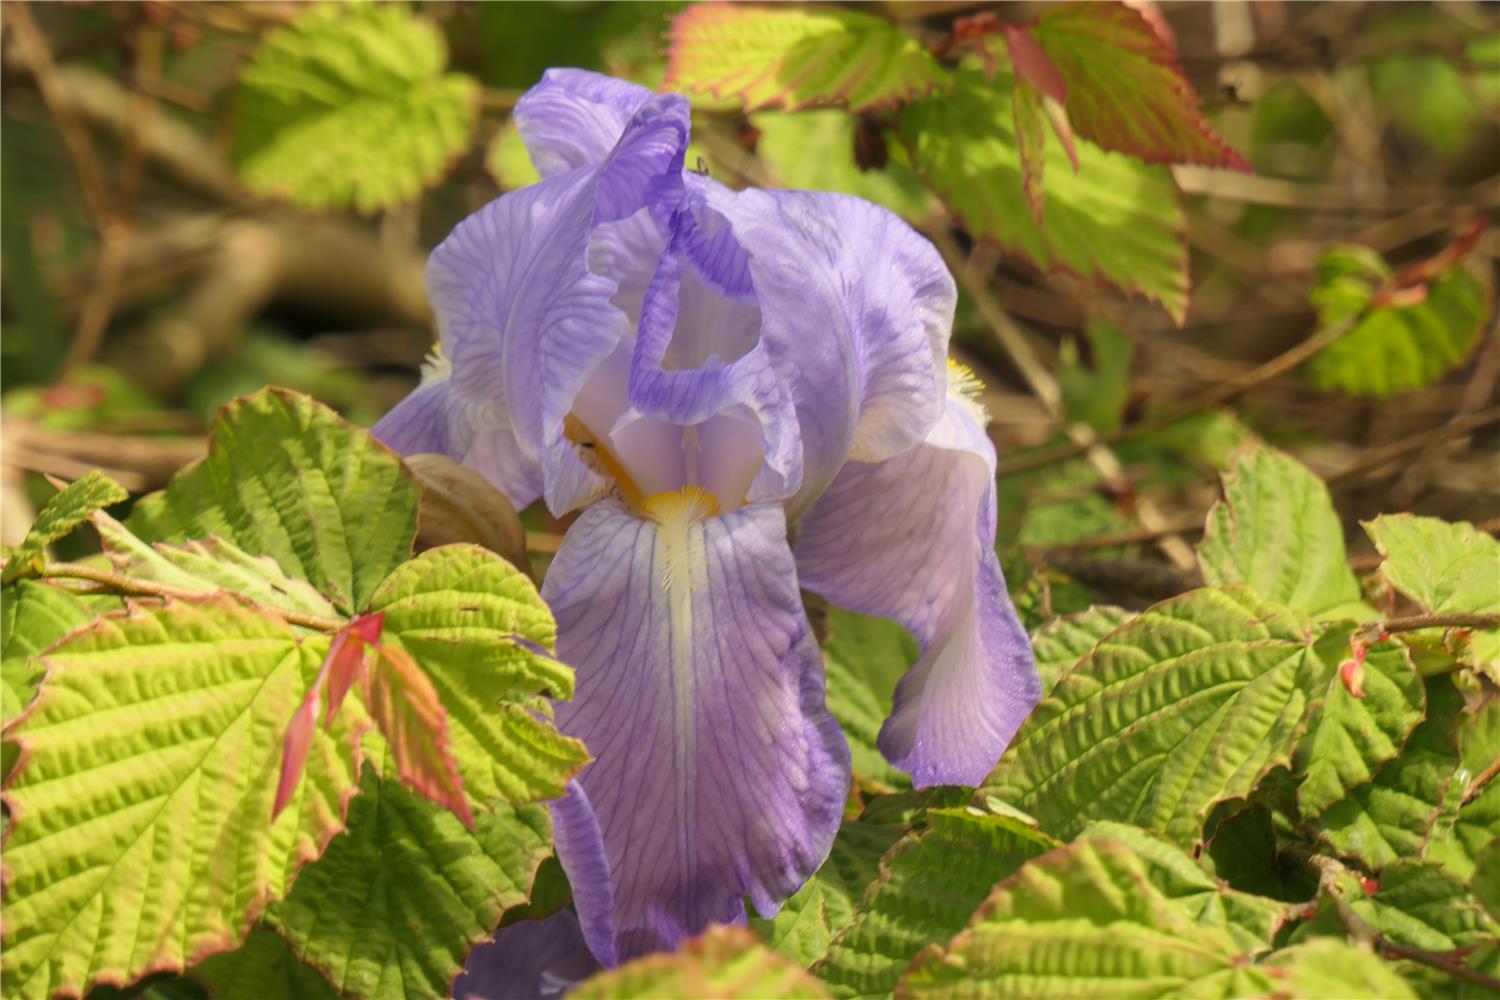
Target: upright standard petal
(718, 773)
(857, 308)
(913, 538)
(523, 318)
(573, 118)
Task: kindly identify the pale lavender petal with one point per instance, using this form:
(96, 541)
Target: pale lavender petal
(522, 317)
(857, 308)
(573, 118)
(529, 960)
(719, 774)
(912, 538)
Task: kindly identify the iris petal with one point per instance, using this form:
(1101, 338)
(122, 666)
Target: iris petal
(540, 959)
(718, 773)
(913, 538)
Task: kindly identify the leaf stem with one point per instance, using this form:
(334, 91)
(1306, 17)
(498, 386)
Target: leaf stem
(1415, 622)
(123, 584)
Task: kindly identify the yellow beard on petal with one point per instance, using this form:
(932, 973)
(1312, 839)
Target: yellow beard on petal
(965, 386)
(600, 460)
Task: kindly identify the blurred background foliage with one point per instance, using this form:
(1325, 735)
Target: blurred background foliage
(200, 199)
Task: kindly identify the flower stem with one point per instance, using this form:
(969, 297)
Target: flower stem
(1415, 622)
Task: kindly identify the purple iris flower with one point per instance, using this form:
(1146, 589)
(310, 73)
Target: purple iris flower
(744, 393)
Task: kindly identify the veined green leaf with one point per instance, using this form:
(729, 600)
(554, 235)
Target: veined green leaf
(723, 962)
(395, 904)
(1352, 737)
(1185, 706)
(1391, 816)
(349, 105)
(928, 886)
(1486, 885)
(1062, 642)
(61, 514)
(1276, 531)
(1327, 969)
(810, 920)
(1422, 906)
(33, 616)
(207, 567)
(286, 478)
(1125, 89)
(782, 57)
(141, 836)
(481, 633)
(262, 968)
(864, 658)
(1115, 219)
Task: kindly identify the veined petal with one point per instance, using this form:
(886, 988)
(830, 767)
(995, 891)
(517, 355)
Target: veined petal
(529, 960)
(521, 315)
(857, 308)
(718, 773)
(913, 538)
(573, 118)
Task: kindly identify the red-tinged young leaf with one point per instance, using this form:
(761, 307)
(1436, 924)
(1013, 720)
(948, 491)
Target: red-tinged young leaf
(294, 750)
(1062, 128)
(1125, 89)
(1033, 66)
(348, 656)
(409, 714)
(782, 57)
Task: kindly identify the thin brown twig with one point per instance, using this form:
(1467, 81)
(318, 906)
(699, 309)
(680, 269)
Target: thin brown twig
(1379, 457)
(123, 584)
(1415, 622)
(1218, 395)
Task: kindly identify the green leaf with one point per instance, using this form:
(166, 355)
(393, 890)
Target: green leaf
(1422, 906)
(407, 711)
(1097, 395)
(1125, 90)
(1276, 531)
(1426, 95)
(928, 886)
(481, 633)
(1391, 816)
(1445, 567)
(1486, 884)
(349, 105)
(286, 478)
(810, 920)
(141, 836)
(1460, 836)
(1352, 737)
(60, 516)
(395, 904)
(1062, 642)
(864, 658)
(723, 962)
(1185, 706)
(1085, 921)
(1398, 345)
(1327, 969)
(208, 567)
(263, 967)
(1115, 220)
(814, 151)
(776, 57)
(33, 616)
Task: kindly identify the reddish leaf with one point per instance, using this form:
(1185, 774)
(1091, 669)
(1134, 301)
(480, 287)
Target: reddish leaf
(294, 750)
(1062, 128)
(406, 709)
(1125, 89)
(1032, 65)
(347, 657)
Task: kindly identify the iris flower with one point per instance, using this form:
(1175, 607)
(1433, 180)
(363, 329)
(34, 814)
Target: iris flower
(744, 394)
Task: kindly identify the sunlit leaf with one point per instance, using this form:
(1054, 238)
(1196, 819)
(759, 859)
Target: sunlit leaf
(1276, 531)
(1126, 92)
(1115, 220)
(783, 57)
(1061, 643)
(141, 836)
(263, 967)
(814, 151)
(864, 658)
(64, 512)
(508, 161)
(1398, 342)
(406, 709)
(33, 616)
(1185, 706)
(723, 962)
(349, 105)
(928, 886)
(286, 478)
(396, 903)
(1422, 906)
